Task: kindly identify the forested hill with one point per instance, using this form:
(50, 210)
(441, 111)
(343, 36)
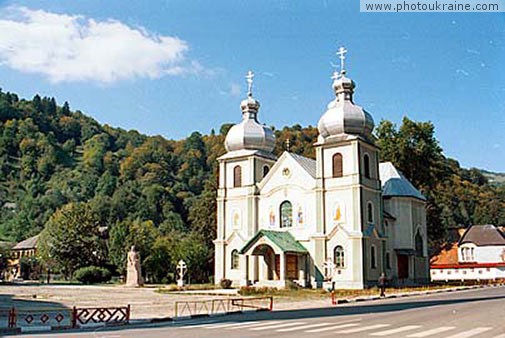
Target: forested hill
(164, 190)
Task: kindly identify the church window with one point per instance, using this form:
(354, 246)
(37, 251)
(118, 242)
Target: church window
(366, 163)
(234, 259)
(373, 257)
(286, 214)
(388, 261)
(338, 257)
(266, 169)
(369, 212)
(237, 176)
(419, 244)
(337, 165)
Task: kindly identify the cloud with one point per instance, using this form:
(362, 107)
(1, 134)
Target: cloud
(235, 90)
(71, 48)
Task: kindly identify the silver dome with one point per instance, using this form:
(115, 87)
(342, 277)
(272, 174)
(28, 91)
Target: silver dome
(250, 134)
(343, 116)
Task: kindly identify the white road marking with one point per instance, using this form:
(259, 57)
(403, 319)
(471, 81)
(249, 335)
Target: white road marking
(275, 326)
(365, 328)
(397, 330)
(431, 332)
(471, 333)
(303, 327)
(252, 324)
(500, 336)
(332, 328)
(221, 326)
(189, 326)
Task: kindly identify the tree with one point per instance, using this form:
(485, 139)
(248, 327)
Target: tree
(72, 238)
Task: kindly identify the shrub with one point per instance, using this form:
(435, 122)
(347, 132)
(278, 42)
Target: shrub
(92, 274)
(256, 291)
(225, 283)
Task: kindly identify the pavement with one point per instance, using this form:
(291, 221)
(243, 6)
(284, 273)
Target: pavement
(460, 314)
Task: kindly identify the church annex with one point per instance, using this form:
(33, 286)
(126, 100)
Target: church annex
(341, 219)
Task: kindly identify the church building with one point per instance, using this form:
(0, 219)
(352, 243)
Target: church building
(337, 221)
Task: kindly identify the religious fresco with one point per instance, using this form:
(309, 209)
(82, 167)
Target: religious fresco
(271, 217)
(338, 214)
(299, 216)
(236, 219)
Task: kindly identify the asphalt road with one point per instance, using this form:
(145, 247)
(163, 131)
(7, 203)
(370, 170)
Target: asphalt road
(463, 314)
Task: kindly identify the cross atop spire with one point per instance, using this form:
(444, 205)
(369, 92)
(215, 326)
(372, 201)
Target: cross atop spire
(341, 55)
(249, 78)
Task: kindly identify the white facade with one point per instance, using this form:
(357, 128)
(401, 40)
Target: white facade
(480, 255)
(316, 222)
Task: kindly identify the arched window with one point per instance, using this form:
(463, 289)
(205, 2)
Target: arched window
(369, 212)
(237, 176)
(234, 259)
(419, 244)
(366, 163)
(286, 214)
(266, 169)
(337, 165)
(373, 257)
(338, 257)
(388, 261)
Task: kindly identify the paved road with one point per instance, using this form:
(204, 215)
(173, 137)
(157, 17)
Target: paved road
(464, 314)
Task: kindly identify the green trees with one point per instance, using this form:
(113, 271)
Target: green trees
(72, 238)
(58, 166)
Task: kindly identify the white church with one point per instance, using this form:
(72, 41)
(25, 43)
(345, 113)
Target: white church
(337, 221)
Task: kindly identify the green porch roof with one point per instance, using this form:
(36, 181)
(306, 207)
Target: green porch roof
(282, 239)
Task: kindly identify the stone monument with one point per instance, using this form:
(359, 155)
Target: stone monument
(182, 268)
(133, 272)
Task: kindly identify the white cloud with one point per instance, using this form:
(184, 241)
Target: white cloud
(235, 89)
(68, 48)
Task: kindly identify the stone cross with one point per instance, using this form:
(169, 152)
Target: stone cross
(181, 270)
(249, 78)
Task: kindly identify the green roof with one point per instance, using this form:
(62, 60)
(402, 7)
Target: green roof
(282, 239)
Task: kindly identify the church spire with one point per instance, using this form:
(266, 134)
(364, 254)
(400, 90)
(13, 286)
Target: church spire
(249, 106)
(343, 86)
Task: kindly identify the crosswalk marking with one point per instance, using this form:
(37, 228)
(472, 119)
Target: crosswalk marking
(303, 327)
(431, 332)
(332, 328)
(252, 325)
(222, 326)
(471, 333)
(397, 330)
(269, 327)
(365, 328)
(197, 326)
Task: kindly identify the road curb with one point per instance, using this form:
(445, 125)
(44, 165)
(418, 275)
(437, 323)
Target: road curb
(414, 293)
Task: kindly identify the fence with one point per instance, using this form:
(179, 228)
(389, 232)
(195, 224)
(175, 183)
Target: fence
(221, 306)
(67, 318)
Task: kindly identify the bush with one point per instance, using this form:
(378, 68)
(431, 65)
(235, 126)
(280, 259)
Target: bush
(225, 283)
(257, 291)
(92, 274)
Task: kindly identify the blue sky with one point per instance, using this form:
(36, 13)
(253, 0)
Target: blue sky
(181, 65)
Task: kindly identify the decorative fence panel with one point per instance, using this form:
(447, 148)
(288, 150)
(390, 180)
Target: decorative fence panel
(99, 315)
(221, 306)
(16, 318)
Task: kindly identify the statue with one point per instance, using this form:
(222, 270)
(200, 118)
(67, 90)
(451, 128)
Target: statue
(133, 272)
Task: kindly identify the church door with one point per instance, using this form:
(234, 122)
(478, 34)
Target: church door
(403, 266)
(291, 267)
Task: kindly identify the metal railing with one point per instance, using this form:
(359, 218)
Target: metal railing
(196, 308)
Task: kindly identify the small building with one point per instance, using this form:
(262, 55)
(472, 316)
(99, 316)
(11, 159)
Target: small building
(25, 248)
(478, 255)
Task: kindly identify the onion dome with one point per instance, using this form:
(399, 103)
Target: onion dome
(343, 117)
(249, 133)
